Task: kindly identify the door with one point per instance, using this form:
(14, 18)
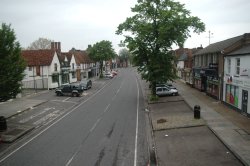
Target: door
(244, 101)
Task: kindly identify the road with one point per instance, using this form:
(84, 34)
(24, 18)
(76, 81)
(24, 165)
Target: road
(107, 128)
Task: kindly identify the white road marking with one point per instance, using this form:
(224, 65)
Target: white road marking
(35, 115)
(94, 126)
(66, 99)
(106, 109)
(58, 120)
(136, 131)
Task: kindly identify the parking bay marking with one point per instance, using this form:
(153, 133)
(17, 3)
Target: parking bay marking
(35, 115)
(72, 109)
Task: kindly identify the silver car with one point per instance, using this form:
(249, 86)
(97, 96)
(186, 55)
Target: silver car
(166, 91)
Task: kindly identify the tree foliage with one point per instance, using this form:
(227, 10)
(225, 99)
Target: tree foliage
(101, 51)
(41, 43)
(12, 64)
(154, 28)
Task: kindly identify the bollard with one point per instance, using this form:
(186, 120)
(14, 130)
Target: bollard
(197, 111)
(3, 123)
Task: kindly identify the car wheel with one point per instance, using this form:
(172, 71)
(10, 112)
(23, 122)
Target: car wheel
(59, 94)
(74, 94)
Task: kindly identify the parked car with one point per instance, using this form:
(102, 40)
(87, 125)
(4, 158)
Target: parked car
(108, 75)
(166, 85)
(114, 73)
(86, 84)
(166, 91)
(70, 89)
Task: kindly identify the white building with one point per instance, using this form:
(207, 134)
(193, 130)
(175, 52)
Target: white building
(237, 76)
(42, 71)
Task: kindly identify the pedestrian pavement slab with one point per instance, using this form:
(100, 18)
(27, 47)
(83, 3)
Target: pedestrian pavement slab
(192, 146)
(176, 121)
(14, 131)
(13, 107)
(223, 128)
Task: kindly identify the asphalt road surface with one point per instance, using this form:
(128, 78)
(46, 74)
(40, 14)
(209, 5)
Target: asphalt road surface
(108, 128)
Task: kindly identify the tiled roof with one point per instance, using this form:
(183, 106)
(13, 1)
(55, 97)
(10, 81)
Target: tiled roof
(62, 57)
(219, 46)
(38, 57)
(81, 57)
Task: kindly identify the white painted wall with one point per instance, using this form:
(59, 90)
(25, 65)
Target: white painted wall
(73, 61)
(243, 82)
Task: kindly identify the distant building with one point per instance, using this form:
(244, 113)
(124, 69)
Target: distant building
(208, 67)
(184, 63)
(85, 67)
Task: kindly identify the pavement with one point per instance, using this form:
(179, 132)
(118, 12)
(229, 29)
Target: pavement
(14, 107)
(170, 113)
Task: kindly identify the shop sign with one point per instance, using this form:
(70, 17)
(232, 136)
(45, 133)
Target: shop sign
(213, 65)
(237, 82)
(202, 72)
(234, 80)
(245, 73)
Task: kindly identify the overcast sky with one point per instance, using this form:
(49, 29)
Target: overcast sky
(77, 23)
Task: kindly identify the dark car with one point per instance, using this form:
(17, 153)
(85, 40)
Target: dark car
(86, 84)
(70, 89)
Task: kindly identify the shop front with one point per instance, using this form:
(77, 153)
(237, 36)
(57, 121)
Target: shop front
(236, 94)
(212, 84)
(197, 78)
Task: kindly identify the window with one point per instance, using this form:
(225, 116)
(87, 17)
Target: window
(237, 66)
(73, 66)
(54, 78)
(55, 67)
(73, 74)
(30, 68)
(38, 70)
(229, 66)
(214, 58)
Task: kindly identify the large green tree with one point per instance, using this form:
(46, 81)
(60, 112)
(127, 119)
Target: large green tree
(155, 26)
(101, 51)
(11, 64)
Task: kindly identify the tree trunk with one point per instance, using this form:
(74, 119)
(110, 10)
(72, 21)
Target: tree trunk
(101, 66)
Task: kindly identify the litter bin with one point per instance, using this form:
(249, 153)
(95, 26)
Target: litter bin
(197, 111)
(3, 123)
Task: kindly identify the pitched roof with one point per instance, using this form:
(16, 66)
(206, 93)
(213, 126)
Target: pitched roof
(81, 57)
(38, 57)
(242, 51)
(219, 46)
(63, 59)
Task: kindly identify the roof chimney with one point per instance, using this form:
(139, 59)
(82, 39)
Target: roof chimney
(56, 46)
